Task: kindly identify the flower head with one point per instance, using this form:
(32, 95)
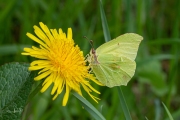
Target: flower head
(60, 63)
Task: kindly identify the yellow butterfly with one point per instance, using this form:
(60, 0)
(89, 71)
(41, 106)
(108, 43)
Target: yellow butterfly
(113, 62)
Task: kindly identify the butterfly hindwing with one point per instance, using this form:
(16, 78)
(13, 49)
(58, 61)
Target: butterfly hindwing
(114, 71)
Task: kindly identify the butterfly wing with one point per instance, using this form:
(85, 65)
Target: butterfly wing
(123, 46)
(114, 71)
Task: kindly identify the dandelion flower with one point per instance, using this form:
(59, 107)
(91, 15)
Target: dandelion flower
(60, 62)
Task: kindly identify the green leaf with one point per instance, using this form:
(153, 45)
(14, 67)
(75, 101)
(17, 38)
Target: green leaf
(15, 85)
(167, 111)
(150, 73)
(90, 108)
(123, 104)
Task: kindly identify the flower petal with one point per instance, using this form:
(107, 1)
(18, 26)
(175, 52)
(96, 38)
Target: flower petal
(46, 86)
(41, 35)
(46, 31)
(69, 33)
(66, 96)
(36, 39)
(43, 75)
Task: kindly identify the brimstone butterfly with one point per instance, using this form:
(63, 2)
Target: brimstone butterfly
(113, 62)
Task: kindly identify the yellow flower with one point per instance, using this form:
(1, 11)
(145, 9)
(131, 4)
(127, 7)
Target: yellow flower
(60, 62)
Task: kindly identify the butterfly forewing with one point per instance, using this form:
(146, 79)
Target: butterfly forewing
(125, 45)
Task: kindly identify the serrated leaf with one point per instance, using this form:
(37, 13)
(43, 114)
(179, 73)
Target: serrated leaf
(15, 85)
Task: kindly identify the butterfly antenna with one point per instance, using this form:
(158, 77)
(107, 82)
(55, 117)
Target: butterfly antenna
(93, 50)
(90, 41)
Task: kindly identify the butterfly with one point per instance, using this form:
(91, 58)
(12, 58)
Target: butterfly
(113, 63)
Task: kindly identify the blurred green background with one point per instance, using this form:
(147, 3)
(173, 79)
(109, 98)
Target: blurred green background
(157, 77)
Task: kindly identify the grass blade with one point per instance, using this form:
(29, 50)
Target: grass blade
(89, 107)
(123, 104)
(6, 11)
(107, 35)
(157, 109)
(35, 91)
(167, 111)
